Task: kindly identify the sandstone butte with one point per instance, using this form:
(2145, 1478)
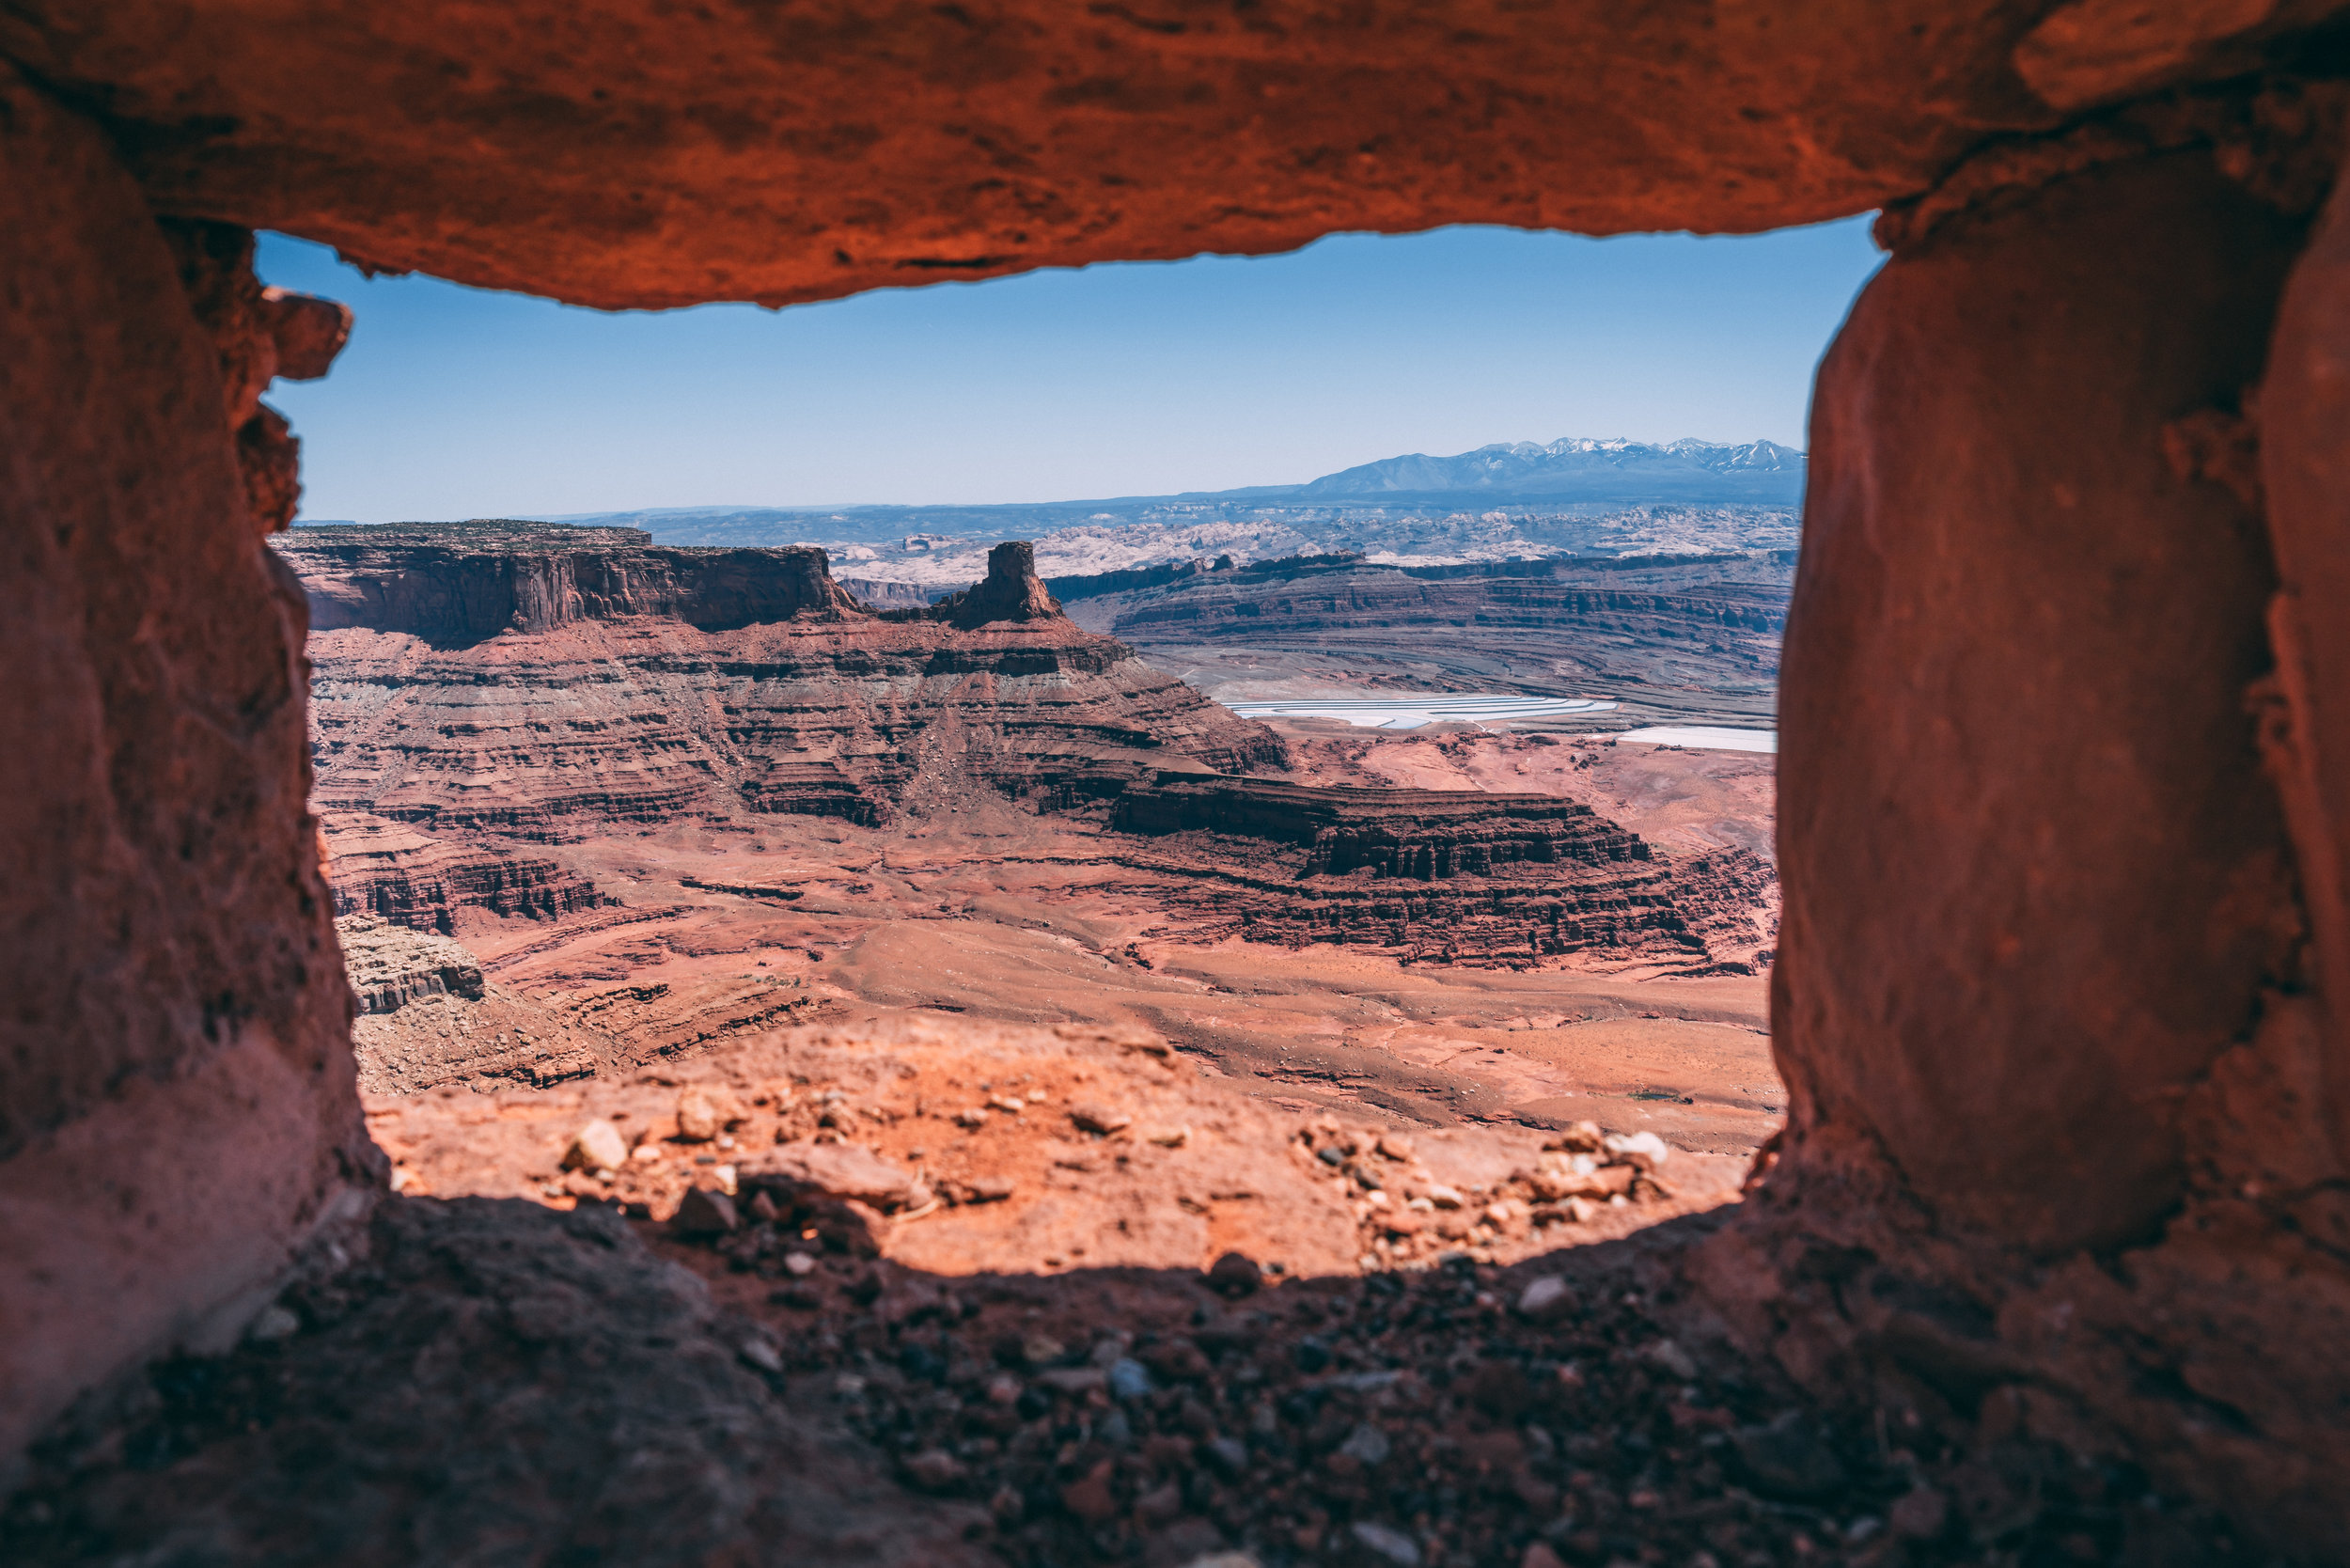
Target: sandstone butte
(2065, 770)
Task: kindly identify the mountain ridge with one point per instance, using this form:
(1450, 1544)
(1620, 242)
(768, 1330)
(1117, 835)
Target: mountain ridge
(1572, 470)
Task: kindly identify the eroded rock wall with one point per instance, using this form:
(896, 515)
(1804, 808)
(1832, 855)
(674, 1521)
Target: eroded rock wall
(625, 154)
(458, 583)
(1441, 873)
(177, 1110)
(660, 703)
(2044, 998)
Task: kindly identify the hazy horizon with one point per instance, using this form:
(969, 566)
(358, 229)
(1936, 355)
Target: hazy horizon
(1120, 380)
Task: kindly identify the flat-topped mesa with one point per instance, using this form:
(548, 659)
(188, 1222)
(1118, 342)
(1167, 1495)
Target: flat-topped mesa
(1420, 834)
(1459, 874)
(527, 681)
(455, 583)
(1010, 591)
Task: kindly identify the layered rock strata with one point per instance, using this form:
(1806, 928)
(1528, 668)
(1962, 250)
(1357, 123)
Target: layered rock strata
(1452, 874)
(456, 584)
(531, 684)
(389, 869)
(391, 967)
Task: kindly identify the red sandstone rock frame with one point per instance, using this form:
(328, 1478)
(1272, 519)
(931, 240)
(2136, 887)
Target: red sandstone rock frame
(2044, 837)
(637, 155)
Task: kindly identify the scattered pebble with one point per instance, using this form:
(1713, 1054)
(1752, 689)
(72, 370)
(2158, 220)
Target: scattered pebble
(705, 1213)
(698, 1119)
(598, 1146)
(1391, 1546)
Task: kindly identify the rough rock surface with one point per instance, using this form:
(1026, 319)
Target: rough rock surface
(171, 999)
(390, 870)
(637, 156)
(427, 1016)
(2093, 1263)
(1454, 874)
(846, 1362)
(999, 1149)
(609, 693)
(486, 1374)
(391, 966)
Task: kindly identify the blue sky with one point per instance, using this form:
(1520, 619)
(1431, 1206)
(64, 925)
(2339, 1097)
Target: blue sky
(1118, 380)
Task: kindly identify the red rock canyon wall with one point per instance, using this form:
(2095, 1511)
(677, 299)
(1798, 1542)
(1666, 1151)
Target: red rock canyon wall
(176, 1108)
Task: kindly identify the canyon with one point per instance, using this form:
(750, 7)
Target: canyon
(660, 832)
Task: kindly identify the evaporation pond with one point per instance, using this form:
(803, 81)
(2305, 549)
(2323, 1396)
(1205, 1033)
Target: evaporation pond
(1705, 737)
(1410, 712)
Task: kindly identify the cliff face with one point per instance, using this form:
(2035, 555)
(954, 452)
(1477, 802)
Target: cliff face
(1442, 872)
(454, 585)
(619, 684)
(391, 871)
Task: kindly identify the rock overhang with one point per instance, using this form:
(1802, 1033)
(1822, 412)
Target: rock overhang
(625, 155)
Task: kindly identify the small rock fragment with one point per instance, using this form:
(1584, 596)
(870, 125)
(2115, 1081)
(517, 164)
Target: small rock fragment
(974, 1116)
(1071, 1380)
(1641, 1151)
(1235, 1274)
(1389, 1545)
(1788, 1460)
(1547, 1297)
(1041, 1350)
(934, 1469)
(1674, 1360)
(1008, 1104)
(1540, 1555)
(798, 1264)
(697, 1116)
(1173, 1139)
(1229, 1454)
(598, 1146)
(705, 1213)
(1582, 1138)
(762, 1208)
(1366, 1444)
(988, 1189)
(1090, 1497)
(1129, 1378)
(1395, 1146)
(1099, 1119)
(1159, 1506)
(1920, 1513)
(271, 1325)
(761, 1354)
(1445, 1198)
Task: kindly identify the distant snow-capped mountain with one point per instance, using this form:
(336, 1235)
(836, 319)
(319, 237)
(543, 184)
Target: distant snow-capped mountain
(1576, 468)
